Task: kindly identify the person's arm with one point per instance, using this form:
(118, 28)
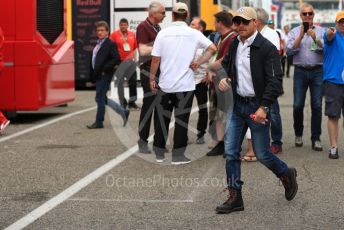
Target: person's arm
(312, 32)
(294, 41)
(153, 70)
(209, 52)
(330, 34)
(299, 38)
(145, 49)
(113, 59)
(273, 78)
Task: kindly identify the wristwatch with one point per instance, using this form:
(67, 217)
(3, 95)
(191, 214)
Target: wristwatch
(265, 108)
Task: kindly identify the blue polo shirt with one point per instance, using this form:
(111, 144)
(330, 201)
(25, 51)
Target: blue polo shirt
(334, 59)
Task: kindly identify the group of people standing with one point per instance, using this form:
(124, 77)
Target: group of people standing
(179, 62)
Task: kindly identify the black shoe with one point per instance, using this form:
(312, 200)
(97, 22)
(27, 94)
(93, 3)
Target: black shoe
(133, 106)
(125, 117)
(143, 147)
(219, 149)
(234, 202)
(333, 153)
(95, 126)
(200, 140)
(180, 160)
(290, 184)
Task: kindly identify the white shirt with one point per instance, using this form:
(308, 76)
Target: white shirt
(176, 46)
(242, 63)
(272, 36)
(202, 69)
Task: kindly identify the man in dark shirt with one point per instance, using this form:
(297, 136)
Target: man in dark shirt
(145, 35)
(104, 58)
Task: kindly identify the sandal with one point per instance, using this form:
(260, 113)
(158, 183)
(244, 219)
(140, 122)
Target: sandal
(249, 158)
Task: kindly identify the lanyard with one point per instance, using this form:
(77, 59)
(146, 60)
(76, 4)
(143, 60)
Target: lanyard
(219, 44)
(125, 38)
(155, 28)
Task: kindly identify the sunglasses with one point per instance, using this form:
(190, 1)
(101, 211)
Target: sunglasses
(163, 13)
(238, 20)
(307, 14)
(341, 21)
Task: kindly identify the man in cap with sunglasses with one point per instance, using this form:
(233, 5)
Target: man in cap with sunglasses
(305, 43)
(334, 80)
(253, 66)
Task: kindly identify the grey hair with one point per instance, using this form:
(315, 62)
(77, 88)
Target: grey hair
(306, 5)
(262, 15)
(102, 24)
(154, 7)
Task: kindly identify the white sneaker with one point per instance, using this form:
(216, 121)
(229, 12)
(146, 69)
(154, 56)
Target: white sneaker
(3, 125)
(316, 146)
(298, 141)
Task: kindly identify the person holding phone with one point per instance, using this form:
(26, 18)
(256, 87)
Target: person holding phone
(305, 43)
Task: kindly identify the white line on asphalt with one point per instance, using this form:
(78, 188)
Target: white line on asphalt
(131, 200)
(69, 192)
(73, 189)
(45, 124)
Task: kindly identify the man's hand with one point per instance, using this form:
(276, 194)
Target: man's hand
(330, 33)
(224, 84)
(208, 77)
(302, 32)
(194, 65)
(260, 116)
(153, 86)
(311, 33)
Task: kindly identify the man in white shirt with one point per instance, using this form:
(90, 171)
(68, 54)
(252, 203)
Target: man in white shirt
(174, 50)
(201, 91)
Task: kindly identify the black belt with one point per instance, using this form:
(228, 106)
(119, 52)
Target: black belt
(244, 99)
(309, 67)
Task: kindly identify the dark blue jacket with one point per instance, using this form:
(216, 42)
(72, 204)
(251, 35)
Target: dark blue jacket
(106, 60)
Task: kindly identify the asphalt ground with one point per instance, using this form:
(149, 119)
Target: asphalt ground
(47, 176)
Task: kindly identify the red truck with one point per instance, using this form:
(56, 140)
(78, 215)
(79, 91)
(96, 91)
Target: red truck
(38, 63)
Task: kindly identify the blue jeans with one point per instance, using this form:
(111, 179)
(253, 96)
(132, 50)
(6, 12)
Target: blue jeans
(102, 86)
(237, 123)
(302, 80)
(276, 124)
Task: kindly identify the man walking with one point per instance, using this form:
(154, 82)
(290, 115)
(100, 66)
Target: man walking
(175, 48)
(334, 80)
(253, 65)
(104, 58)
(305, 43)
